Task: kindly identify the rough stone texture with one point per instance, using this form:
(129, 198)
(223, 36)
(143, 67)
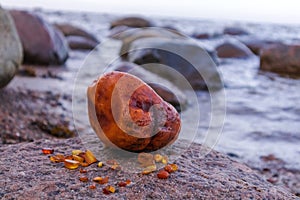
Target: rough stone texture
(10, 48)
(281, 58)
(81, 43)
(42, 43)
(186, 57)
(28, 174)
(233, 49)
(136, 22)
(235, 31)
(71, 30)
(27, 115)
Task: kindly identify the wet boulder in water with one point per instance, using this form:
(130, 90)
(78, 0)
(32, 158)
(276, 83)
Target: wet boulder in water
(164, 88)
(135, 22)
(233, 49)
(81, 43)
(235, 31)
(281, 58)
(181, 56)
(10, 48)
(126, 113)
(255, 44)
(72, 30)
(42, 43)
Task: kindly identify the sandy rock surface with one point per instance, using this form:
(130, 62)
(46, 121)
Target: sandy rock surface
(28, 174)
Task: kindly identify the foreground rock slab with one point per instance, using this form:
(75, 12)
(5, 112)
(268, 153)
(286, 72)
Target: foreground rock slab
(28, 174)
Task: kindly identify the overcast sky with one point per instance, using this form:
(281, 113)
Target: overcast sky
(278, 11)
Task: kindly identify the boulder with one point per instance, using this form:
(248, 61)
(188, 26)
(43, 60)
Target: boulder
(281, 58)
(255, 44)
(81, 43)
(27, 173)
(10, 48)
(128, 37)
(126, 113)
(136, 22)
(71, 30)
(42, 43)
(233, 49)
(185, 57)
(164, 88)
(115, 32)
(235, 31)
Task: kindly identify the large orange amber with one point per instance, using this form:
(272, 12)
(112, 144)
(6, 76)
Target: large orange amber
(127, 113)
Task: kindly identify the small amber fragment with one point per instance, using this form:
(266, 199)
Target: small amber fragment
(128, 181)
(168, 168)
(165, 160)
(115, 166)
(171, 168)
(76, 152)
(77, 158)
(84, 164)
(162, 174)
(101, 180)
(71, 164)
(174, 167)
(69, 157)
(106, 191)
(89, 157)
(47, 151)
(57, 158)
(82, 171)
(84, 179)
(100, 164)
(109, 189)
(122, 184)
(92, 187)
(158, 157)
(145, 159)
(149, 169)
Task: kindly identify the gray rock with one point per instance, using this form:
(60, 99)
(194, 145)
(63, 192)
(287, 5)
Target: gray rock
(42, 43)
(233, 49)
(10, 48)
(128, 37)
(136, 22)
(281, 58)
(191, 64)
(81, 43)
(27, 173)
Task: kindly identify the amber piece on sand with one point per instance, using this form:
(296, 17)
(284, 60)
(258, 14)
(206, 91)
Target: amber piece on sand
(164, 160)
(145, 159)
(122, 184)
(92, 187)
(89, 157)
(158, 157)
(84, 179)
(162, 174)
(47, 151)
(100, 164)
(101, 180)
(76, 152)
(171, 168)
(71, 164)
(77, 158)
(82, 171)
(57, 158)
(109, 189)
(149, 169)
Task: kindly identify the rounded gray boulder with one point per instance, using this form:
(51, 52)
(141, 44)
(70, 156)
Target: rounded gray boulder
(11, 53)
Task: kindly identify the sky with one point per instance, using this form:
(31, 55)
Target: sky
(274, 11)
